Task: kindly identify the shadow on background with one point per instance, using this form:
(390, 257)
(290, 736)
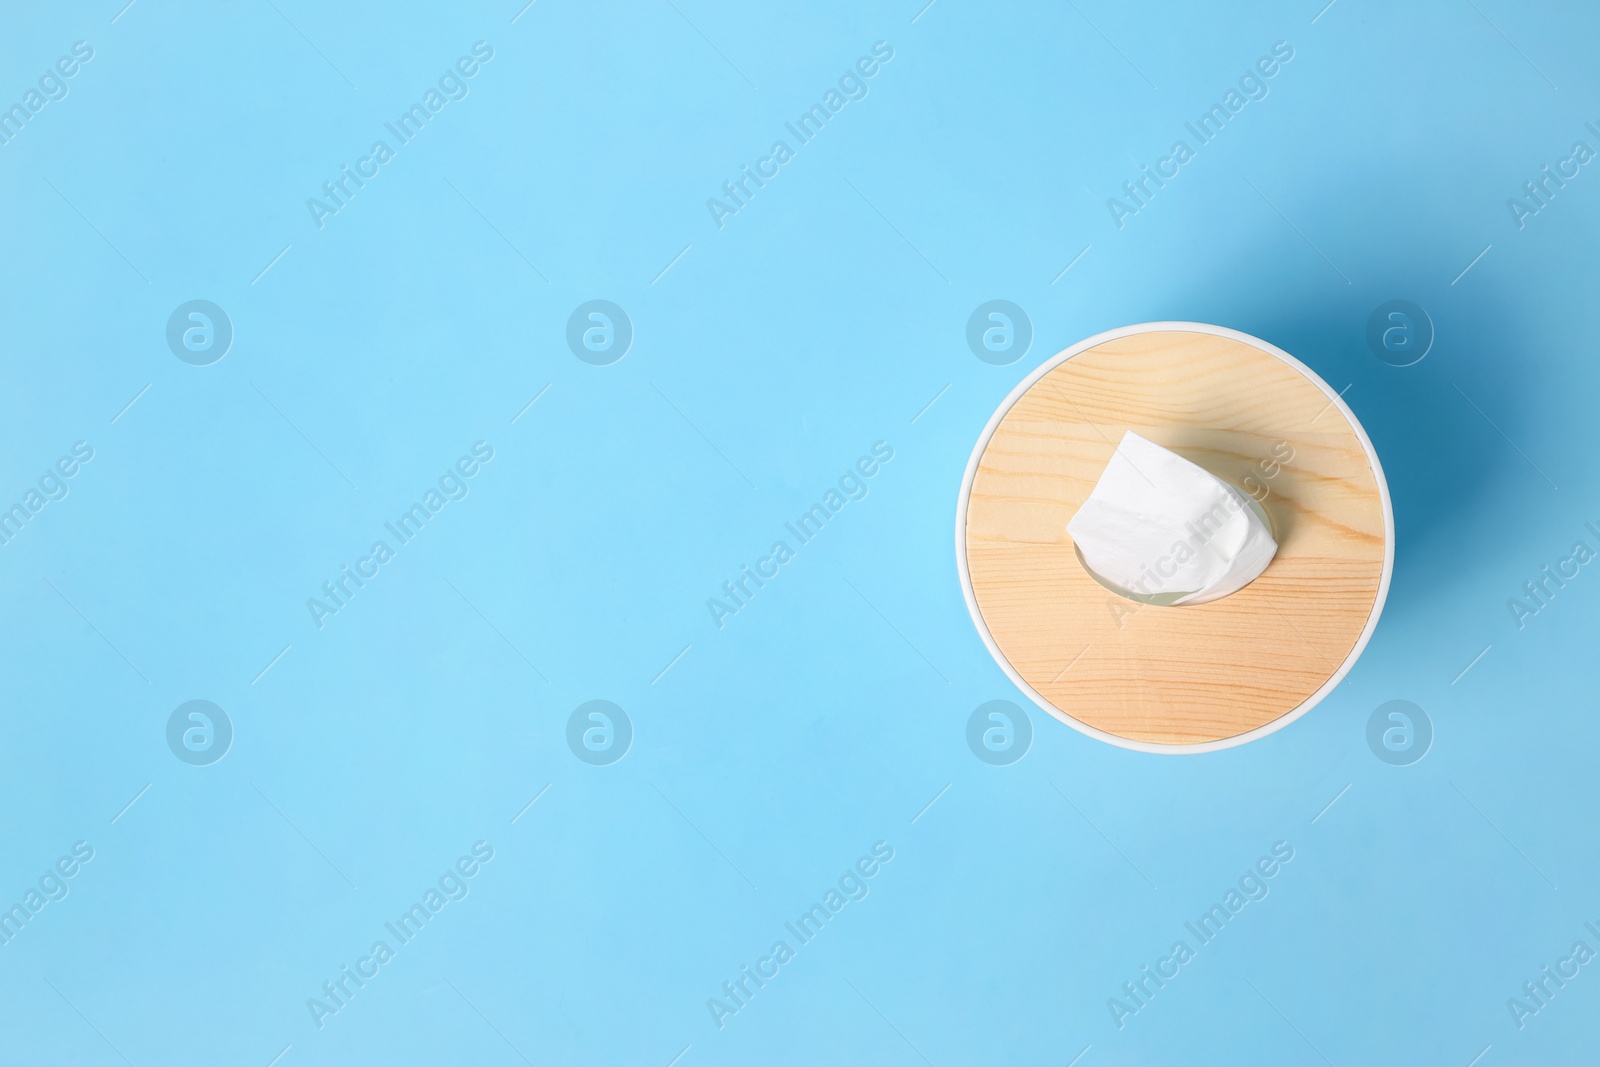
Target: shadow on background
(1440, 456)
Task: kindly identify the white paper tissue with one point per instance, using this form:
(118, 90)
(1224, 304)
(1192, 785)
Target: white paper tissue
(1168, 531)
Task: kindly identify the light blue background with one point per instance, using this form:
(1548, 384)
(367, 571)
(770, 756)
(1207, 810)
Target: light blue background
(822, 318)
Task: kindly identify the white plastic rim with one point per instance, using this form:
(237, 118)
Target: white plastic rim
(1165, 327)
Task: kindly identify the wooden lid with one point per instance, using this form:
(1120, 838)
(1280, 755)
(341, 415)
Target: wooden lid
(1195, 677)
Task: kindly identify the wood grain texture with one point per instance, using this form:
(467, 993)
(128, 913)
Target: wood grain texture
(1194, 673)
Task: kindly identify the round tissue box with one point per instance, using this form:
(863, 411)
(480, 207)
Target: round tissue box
(1195, 677)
